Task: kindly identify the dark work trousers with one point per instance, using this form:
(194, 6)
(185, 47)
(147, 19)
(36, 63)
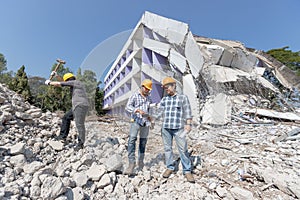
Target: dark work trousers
(80, 113)
(66, 122)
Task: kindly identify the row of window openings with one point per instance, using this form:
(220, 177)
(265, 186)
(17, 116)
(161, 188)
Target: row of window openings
(121, 91)
(119, 78)
(148, 56)
(123, 59)
(119, 111)
(147, 34)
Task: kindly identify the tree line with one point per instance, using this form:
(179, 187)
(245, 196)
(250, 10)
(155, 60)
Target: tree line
(50, 98)
(287, 57)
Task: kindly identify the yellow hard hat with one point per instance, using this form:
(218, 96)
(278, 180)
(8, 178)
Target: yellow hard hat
(67, 76)
(168, 80)
(147, 83)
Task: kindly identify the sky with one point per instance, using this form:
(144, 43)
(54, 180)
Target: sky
(89, 34)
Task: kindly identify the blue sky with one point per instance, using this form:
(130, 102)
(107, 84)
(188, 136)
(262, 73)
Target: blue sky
(90, 33)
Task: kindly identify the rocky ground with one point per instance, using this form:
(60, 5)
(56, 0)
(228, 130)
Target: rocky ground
(238, 161)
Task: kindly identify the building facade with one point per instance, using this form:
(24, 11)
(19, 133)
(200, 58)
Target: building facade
(146, 55)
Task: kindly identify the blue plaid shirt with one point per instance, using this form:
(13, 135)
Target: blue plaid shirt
(137, 101)
(176, 110)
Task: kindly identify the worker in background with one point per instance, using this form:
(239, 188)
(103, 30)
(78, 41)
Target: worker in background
(177, 122)
(138, 106)
(79, 109)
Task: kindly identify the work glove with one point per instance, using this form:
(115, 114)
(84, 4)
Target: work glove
(53, 73)
(47, 82)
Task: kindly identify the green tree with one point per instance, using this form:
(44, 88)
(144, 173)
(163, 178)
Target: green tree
(79, 74)
(287, 57)
(5, 77)
(2, 63)
(58, 98)
(52, 98)
(20, 85)
(99, 96)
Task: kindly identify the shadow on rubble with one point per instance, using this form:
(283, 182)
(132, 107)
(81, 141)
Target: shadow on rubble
(154, 161)
(70, 195)
(195, 161)
(3, 153)
(161, 158)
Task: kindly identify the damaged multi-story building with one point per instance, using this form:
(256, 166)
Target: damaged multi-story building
(209, 71)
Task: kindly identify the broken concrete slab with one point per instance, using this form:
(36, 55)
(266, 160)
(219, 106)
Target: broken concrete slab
(193, 55)
(226, 58)
(217, 110)
(274, 114)
(243, 60)
(190, 90)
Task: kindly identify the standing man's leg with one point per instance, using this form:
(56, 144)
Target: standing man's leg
(133, 132)
(79, 115)
(181, 142)
(65, 126)
(183, 151)
(142, 145)
(167, 137)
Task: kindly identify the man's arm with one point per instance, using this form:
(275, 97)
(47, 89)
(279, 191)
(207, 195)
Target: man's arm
(55, 83)
(130, 104)
(187, 114)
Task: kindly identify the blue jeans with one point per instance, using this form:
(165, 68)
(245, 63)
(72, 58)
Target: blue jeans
(135, 128)
(167, 136)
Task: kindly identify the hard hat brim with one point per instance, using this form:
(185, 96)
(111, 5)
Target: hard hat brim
(147, 87)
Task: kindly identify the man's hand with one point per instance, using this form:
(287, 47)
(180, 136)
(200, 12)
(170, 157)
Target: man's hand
(53, 73)
(140, 111)
(47, 82)
(188, 127)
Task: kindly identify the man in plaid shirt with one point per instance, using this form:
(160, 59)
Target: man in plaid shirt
(177, 121)
(138, 106)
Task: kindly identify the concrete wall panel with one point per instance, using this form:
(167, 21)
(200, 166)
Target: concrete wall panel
(193, 55)
(156, 46)
(171, 29)
(178, 60)
(215, 52)
(190, 90)
(243, 61)
(220, 74)
(226, 58)
(217, 110)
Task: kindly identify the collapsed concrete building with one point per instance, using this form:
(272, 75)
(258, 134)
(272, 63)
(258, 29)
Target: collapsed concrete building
(215, 74)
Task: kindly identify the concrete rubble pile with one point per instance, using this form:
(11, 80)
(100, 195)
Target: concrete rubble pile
(237, 161)
(219, 74)
(233, 74)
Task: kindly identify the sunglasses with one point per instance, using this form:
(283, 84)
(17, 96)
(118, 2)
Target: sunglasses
(146, 88)
(167, 86)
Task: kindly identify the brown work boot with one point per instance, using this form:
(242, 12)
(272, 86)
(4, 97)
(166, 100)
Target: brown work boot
(167, 173)
(190, 178)
(129, 169)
